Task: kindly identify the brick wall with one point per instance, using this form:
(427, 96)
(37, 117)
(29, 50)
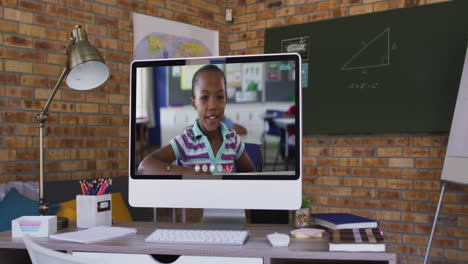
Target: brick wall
(390, 177)
(87, 133)
(393, 178)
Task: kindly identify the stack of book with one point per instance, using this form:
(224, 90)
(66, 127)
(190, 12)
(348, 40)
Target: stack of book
(351, 233)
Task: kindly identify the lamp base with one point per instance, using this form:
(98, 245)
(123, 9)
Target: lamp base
(62, 222)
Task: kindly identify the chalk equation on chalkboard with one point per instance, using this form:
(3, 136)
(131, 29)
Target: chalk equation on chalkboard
(375, 53)
(364, 85)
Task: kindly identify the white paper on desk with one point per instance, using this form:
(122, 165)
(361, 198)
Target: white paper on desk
(95, 234)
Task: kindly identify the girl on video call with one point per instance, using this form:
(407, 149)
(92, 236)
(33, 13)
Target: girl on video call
(208, 146)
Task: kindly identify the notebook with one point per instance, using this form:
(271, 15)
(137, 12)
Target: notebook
(354, 240)
(95, 234)
(343, 221)
(307, 232)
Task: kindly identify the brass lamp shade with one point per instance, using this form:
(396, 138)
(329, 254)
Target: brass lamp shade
(87, 69)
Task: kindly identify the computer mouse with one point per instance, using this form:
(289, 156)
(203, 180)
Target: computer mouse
(279, 240)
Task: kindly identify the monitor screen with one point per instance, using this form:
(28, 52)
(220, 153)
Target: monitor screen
(234, 118)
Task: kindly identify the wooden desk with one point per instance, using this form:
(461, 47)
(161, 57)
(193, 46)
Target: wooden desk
(257, 246)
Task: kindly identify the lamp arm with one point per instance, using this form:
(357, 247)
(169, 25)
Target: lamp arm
(41, 117)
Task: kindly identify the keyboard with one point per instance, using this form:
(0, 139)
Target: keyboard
(209, 237)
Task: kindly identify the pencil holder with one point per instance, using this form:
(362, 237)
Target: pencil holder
(93, 210)
(301, 218)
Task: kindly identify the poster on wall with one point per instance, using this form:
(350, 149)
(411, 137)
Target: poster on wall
(253, 77)
(305, 75)
(158, 38)
(187, 73)
(273, 72)
(253, 81)
(233, 75)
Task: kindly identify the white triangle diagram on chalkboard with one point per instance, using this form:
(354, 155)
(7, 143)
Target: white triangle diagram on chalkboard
(375, 53)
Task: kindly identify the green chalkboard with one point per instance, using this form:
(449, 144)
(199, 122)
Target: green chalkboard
(392, 71)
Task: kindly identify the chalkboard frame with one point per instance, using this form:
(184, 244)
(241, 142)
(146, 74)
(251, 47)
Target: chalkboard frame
(425, 103)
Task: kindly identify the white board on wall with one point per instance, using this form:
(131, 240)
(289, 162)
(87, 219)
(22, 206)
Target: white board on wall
(456, 160)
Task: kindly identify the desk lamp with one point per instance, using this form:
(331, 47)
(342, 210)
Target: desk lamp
(85, 70)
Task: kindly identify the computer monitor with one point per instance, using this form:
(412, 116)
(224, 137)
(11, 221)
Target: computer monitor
(187, 147)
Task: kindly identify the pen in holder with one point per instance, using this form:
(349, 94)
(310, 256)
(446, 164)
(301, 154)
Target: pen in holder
(93, 210)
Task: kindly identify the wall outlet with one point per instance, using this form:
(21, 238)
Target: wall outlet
(228, 14)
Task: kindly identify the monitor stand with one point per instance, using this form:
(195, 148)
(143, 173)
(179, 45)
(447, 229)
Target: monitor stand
(223, 219)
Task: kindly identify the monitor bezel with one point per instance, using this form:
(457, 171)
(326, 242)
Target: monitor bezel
(219, 60)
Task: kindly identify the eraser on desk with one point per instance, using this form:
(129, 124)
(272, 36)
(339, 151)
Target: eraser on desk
(307, 232)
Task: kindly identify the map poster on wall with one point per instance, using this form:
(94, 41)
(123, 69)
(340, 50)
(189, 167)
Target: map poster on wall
(297, 45)
(157, 38)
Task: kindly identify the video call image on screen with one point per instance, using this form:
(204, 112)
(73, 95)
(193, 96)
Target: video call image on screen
(216, 119)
